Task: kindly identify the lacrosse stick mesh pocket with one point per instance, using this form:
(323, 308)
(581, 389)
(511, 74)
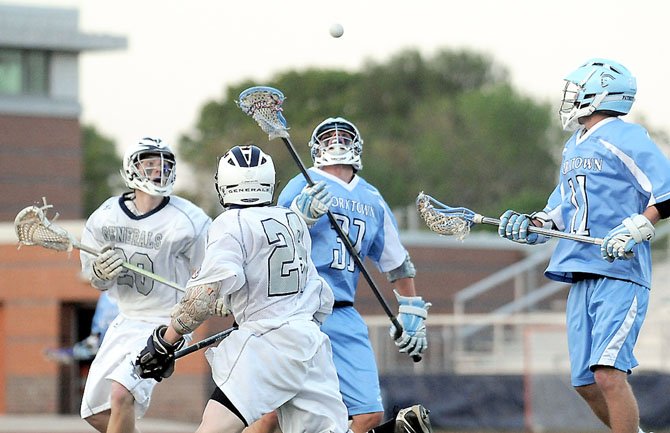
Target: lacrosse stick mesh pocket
(443, 223)
(33, 228)
(263, 104)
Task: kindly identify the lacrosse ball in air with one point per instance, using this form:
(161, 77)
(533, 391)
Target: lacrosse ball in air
(336, 30)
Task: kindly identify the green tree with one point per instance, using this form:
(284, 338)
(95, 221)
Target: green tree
(451, 125)
(101, 165)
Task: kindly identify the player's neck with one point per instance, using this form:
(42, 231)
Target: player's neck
(343, 172)
(145, 203)
(591, 121)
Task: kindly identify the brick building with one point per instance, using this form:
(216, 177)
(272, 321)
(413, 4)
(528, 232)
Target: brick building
(40, 139)
(40, 155)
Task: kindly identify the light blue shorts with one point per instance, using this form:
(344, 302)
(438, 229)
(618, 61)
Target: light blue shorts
(354, 361)
(604, 317)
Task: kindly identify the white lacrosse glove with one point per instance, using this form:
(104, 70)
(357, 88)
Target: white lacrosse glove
(412, 313)
(312, 202)
(220, 308)
(619, 242)
(514, 226)
(108, 264)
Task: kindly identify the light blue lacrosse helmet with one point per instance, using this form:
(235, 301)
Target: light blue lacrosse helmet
(597, 85)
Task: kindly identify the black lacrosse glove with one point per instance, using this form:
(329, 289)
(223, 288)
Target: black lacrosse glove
(156, 360)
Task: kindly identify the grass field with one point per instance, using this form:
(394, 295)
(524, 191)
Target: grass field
(73, 424)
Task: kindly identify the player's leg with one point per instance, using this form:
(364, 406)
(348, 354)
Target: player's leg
(579, 323)
(604, 320)
(267, 424)
(252, 387)
(99, 420)
(622, 307)
(623, 412)
(114, 396)
(95, 403)
(122, 418)
(364, 422)
(220, 416)
(620, 403)
(356, 368)
(594, 398)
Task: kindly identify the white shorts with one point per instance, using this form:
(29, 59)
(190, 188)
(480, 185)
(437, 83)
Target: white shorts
(115, 361)
(285, 366)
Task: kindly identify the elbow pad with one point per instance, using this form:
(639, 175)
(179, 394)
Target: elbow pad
(405, 270)
(195, 307)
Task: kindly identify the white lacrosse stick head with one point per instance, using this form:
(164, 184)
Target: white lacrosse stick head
(445, 221)
(264, 104)
(34, 228)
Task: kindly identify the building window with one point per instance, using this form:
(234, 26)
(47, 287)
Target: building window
(24, 72)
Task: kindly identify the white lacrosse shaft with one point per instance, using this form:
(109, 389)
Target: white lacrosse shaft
(480, 219)
(34, 228)
(134, 268)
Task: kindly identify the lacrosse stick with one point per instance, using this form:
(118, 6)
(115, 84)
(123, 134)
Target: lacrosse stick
(456, 221)
(196, 346)
(204, 343)
(264, 105)
(34, 228)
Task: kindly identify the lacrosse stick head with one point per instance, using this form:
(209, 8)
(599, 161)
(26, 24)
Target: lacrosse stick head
(443, 219)
(264, 104)
(34, 228)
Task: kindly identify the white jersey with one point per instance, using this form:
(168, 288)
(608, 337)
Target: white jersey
(168, 241)
(278, 358)
(262, 254)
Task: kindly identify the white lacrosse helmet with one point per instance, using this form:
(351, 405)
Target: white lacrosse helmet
(245, 176)
(158, 181)
(336, 141)
(597, 85)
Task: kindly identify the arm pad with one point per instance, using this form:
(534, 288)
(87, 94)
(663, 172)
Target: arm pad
(405, 270)
(195, 307)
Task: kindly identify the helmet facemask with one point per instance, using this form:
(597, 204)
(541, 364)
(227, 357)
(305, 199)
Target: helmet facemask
(598, 85)
(150, 167)
(336, 141)
(571, 109)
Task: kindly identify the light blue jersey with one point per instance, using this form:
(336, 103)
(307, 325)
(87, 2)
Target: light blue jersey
(610, 172)
(364, 216)
(106, 311)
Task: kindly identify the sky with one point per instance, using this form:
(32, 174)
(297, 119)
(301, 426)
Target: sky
(182, 54)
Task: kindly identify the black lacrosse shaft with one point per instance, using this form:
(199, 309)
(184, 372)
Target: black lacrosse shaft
(351, 249)
(203, 343)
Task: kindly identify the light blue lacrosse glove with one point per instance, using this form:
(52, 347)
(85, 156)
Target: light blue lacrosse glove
(312, 202)
(412, 313)
(619, 242)
(514, 226)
